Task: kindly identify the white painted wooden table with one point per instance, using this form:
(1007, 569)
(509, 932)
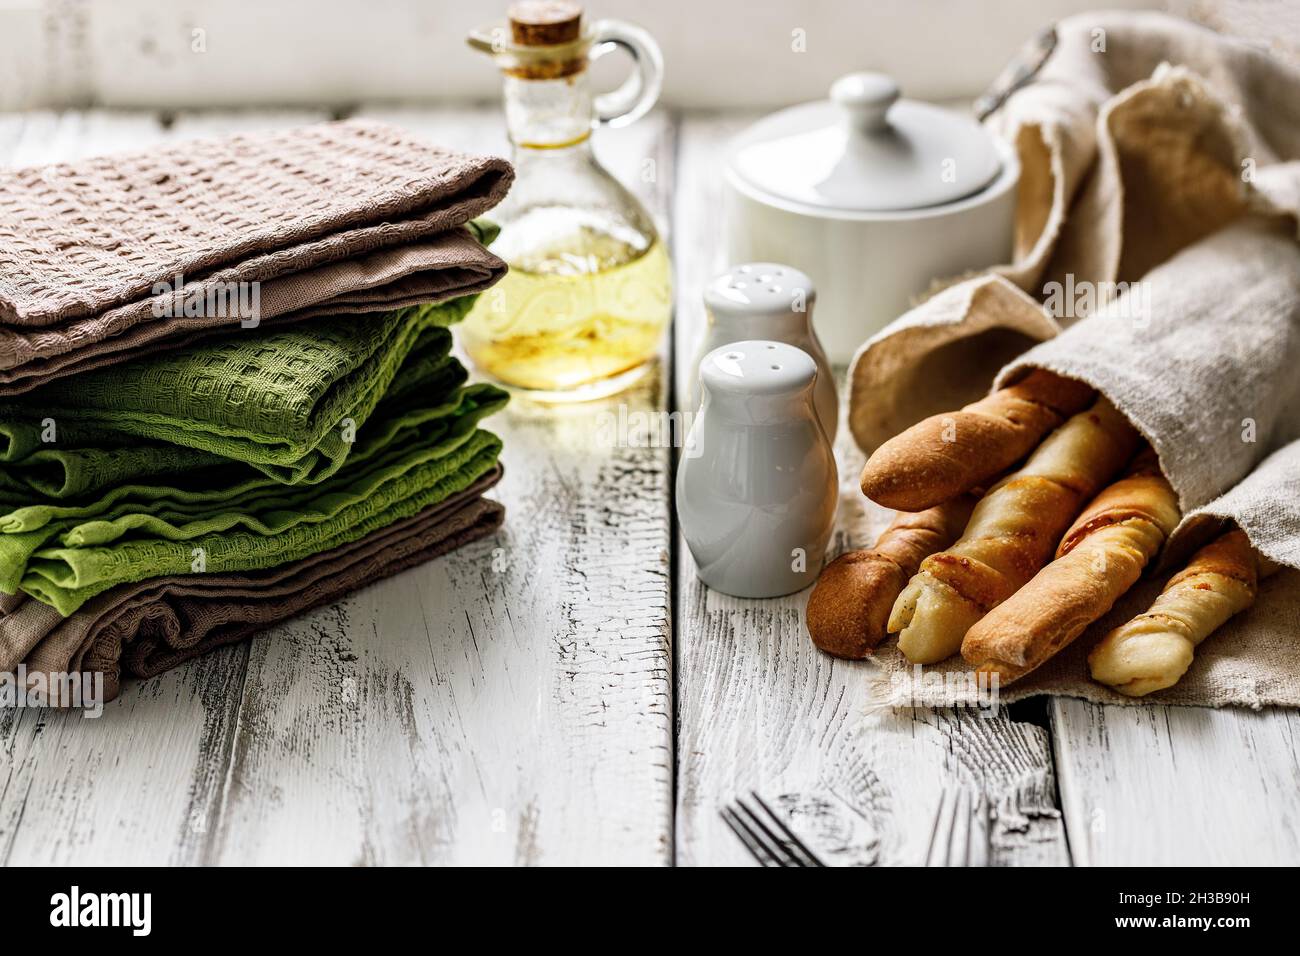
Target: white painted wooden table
(567, 692)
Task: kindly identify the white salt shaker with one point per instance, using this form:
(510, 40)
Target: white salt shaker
(756, 488)
(767, 300)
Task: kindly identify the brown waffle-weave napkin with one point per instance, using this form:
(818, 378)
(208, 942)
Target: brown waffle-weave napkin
(339, 217)
(146, 628)
(1161, 177)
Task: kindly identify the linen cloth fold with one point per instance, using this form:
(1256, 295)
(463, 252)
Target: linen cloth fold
(346, 217)
(1204, 366)
(1157, 260)
(145, 628)
(1265, 504)
(1140, 135)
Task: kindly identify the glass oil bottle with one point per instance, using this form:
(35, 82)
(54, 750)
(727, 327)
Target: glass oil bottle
(588, 295)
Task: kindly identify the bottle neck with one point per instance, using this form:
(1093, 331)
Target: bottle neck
(543, 116)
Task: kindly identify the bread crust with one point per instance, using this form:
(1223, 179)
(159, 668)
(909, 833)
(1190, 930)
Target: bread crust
(849, 606)
(1012, 534)
(1144, 492)
(1099, 558)
(1153, 650)
(948, 455)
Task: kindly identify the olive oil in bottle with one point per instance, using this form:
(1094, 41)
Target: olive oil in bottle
(577, 318)
(588, 295)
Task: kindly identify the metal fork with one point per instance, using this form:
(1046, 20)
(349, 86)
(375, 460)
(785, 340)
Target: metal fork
(767, 837)
(959, 835)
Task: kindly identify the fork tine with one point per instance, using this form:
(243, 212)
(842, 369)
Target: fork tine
(961, 822)
(790, 836)
(753, 842)
(934, 831)
(959, 835)
(783, 852)
(980, 831)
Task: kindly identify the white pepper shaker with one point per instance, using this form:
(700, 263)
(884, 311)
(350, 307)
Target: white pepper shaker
(756, 489)
(774, 302)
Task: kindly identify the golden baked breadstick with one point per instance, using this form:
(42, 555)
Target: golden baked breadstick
(1100, 557)
(1152, 651)
(947, 455)
(850, 604)
(1011, 534)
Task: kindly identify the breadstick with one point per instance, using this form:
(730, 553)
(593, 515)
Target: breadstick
(850, 604)
(1011, 534)
(1100, 557)
(947, 455)
(1152, 651)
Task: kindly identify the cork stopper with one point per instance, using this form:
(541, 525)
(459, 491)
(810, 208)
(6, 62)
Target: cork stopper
(545, 22)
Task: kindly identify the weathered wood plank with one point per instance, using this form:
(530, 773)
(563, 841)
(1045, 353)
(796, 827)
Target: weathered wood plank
(141, 784)
(510, 703)
(513, 702)
(137, 786)
(52, 137)
(1178, 786)
(760, 708)
(11, 131)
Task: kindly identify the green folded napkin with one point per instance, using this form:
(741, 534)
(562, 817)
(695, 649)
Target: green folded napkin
(68, 577)
(394, 425)
(63, 473)
(237, 454)
(285, 401)
(421, 461)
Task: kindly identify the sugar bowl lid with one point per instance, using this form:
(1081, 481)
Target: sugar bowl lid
(864, 150)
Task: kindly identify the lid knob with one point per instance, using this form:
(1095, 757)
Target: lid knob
(866, 97)
(544, 22)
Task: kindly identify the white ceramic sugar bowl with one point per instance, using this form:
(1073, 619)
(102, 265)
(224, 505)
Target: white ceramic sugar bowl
(756, 487)
(767, 300)
(872, 195)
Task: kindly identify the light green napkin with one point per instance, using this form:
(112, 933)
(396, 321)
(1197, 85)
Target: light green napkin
(422, 461)
(393, 426)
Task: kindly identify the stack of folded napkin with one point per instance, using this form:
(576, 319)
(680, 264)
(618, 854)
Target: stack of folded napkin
(173, 479)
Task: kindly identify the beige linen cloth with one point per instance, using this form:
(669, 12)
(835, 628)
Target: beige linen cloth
(1161, 172)
(354, 216)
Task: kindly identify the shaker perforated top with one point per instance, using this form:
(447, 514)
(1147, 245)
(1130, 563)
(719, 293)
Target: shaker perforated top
(757, 367)
(760, 288)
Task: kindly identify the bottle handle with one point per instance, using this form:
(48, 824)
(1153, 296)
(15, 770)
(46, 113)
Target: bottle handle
(640, 90)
